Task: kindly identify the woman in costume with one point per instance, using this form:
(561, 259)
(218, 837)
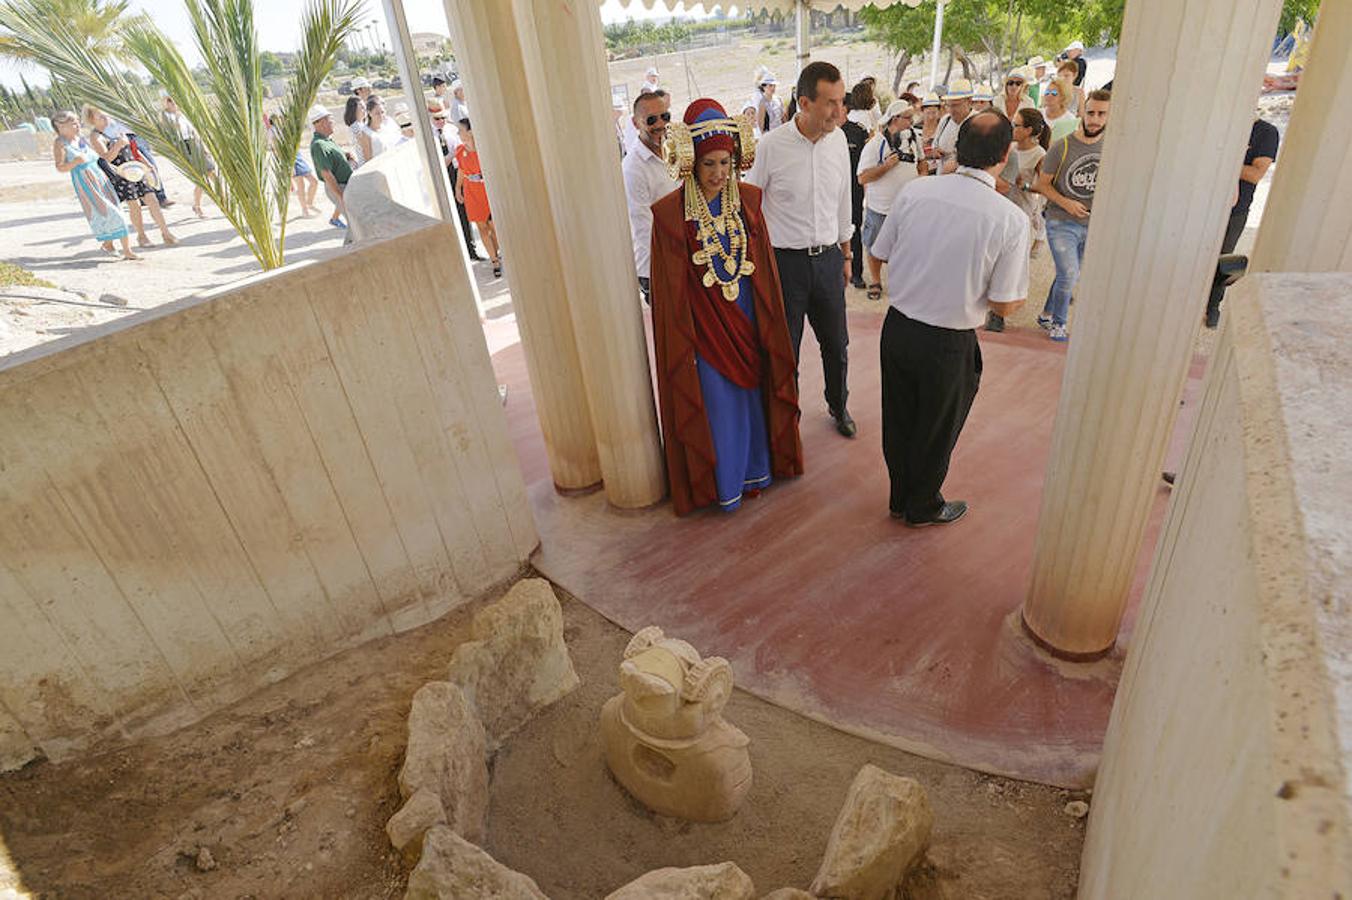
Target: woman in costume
(725, 366)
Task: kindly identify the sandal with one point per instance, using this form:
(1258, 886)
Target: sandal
(497, 269)
(875, 292)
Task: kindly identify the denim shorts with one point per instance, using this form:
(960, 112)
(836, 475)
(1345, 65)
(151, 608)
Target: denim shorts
(873, 223)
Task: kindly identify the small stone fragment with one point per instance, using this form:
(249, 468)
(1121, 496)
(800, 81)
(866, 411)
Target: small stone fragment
(1077, 809)
(447, 754)
(204, 861)
(112, 300)
(452, 868)
(723, 881)
(517, 663)
(882, 830)
(407, 827)
(788, 894)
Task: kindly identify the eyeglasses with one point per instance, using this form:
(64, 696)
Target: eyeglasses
(652, 120)
(1051, 93)
(438, 118)
(1013, 83)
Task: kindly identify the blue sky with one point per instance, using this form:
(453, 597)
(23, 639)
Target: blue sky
(278, 27)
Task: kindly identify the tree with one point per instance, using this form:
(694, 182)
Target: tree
(270, 63)
(252, 181)
(95, 24)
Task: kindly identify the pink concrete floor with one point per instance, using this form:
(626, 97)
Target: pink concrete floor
(825, 605)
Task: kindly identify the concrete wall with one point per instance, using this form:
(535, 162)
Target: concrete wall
(396, 175)
(207, 497)
(21, 144)
(1225, 763)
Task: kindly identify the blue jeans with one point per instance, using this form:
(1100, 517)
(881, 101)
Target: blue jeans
(1066, 238)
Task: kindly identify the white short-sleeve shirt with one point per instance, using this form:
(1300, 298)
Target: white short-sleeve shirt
(807, 187)
(878, 194)
(961, 245)
(645, 182)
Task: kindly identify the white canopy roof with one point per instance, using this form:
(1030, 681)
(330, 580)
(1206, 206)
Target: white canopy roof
(786, 6)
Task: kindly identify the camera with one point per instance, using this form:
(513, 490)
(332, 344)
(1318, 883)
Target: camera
(894, 141)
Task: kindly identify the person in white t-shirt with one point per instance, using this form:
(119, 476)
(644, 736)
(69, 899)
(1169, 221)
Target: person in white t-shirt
(958, 102)
(891, 158)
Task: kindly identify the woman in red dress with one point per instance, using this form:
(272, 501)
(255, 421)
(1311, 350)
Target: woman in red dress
(471, 192)
(725, 367)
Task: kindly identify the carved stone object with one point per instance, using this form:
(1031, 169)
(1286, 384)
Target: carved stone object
(665, 737)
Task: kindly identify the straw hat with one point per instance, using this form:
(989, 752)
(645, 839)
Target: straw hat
(960, 89)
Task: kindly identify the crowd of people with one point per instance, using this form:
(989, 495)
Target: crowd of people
(953, 192)
(374, 130)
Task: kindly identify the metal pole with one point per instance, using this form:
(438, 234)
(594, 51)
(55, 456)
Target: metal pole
(803, 29)
(422, 126)
(938, 40)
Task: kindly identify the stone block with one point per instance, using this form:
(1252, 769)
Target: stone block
(407, 827)
(723, 881)
(447, 754)
(517, 662)
(452, 868)
(882, 830)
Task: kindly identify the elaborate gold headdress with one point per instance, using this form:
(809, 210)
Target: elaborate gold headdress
(678, 150)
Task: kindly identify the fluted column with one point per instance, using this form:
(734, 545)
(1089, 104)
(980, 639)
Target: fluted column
(512, 151)
(1307, 223)
(563, 45)
(1187, 78)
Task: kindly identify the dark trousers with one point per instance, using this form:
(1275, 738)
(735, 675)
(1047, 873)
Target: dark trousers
(930, 378)
(814, 287)
(1233, 229)
(465, 226)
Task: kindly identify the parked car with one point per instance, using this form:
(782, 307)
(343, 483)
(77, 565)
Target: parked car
(396, 82)
(345, 88)
(382, 84)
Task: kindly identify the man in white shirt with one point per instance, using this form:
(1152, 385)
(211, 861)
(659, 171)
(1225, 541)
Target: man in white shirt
(964, 248)
(958, 102)
(459, 108)
(804, 170)
(645, 176)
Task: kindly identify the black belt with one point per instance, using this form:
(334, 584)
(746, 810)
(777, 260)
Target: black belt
(818, 250)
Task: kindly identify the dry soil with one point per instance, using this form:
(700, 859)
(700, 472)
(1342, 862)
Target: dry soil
(288, 792)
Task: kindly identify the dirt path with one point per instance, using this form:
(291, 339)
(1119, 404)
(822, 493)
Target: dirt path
(289, 791)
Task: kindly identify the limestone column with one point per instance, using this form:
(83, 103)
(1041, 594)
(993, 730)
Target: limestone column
(512, 151)
(563, 46)
(1188, 75)
(1307, 223)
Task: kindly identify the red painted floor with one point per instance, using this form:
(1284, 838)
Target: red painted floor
(825, 605)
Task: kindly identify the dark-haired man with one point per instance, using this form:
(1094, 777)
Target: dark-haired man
(1068, 177)
(964, 249)
(804, 170)
(645, 176)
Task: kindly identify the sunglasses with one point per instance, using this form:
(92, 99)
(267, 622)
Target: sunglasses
(1013, 83)
(652, 120)
(1051, 93)
(438, 118)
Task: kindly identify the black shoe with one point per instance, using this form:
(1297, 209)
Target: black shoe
(949, 512)
(994, 322)
(1168, 477)
(1213, 318)
(858, 283)
(474, 257)
(845, 424)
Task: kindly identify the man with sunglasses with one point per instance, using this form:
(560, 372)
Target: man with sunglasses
(645, 176)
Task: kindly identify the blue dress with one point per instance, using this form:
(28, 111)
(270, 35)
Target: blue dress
(94, 192)
(736, 414)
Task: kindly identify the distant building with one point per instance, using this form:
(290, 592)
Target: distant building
(428, 43)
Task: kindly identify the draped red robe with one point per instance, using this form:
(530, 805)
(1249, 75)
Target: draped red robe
(684, 318)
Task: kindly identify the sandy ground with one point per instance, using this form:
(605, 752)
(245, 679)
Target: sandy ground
(289, 791)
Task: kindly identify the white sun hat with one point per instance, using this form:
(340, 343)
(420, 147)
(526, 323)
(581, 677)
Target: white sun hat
(960, 89)
(318, 112)
(359, 82)
(1075, 45)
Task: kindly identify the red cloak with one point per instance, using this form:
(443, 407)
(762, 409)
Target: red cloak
(677, 292)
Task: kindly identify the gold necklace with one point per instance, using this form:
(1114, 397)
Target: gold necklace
(709, 228)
